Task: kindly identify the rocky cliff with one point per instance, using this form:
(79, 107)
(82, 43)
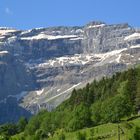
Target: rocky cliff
(40, 67)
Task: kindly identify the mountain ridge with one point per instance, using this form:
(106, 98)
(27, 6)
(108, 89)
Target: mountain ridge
(59, 59)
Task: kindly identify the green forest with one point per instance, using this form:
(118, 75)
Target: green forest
(101, 104)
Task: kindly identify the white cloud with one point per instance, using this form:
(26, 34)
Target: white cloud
(8, 11)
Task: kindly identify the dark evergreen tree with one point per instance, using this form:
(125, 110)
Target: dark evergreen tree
(22, 124)
(136, 134)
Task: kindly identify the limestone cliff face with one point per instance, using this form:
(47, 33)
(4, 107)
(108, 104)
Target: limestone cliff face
(104, 38)
(14, 77)
(40, 67)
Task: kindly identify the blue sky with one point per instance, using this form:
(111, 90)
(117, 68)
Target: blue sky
(26, 14)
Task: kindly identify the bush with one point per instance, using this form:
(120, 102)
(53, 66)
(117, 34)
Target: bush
(81, 136)
(92, 132)
(61, 136)
(136, 134)
(128, 125)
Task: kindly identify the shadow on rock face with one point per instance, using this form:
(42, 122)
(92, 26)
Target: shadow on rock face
(10, 111)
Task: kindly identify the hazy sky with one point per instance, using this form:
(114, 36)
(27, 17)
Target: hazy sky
(25, 14)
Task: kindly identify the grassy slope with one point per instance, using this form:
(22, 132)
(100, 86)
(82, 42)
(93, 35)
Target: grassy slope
(110, 130)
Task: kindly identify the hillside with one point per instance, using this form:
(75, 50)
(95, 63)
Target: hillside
(103, 132)
(110, 100)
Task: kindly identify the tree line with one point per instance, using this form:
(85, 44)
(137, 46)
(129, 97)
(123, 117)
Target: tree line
(107, 100)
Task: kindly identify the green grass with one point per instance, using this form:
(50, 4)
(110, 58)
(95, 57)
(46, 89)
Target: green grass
(105, 132)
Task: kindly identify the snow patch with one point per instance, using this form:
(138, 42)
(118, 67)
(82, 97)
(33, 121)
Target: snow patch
(78, 38)
(4, 52)
(39, 92)
(49, 37)
(136, 46)
(132, 37)
(96, 26)
(58, 90)
(52, 62)
(26, 32)
(79, 31)
(118, 58)
(2, 37)
(5, 32)
(64, 92)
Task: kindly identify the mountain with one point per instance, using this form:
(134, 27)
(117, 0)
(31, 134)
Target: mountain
(110, 107)
(40, 67)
